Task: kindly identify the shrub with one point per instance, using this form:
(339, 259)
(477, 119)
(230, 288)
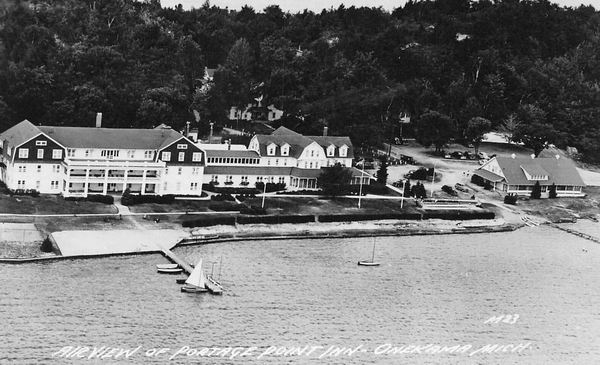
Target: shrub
(536, 192)
(224, 206)
(47, 245)
(253, 210)
(367, 217)
(229, 190)
(99, 198)
(131, 199)
(510, 199)
(271, 187)
(449, 190)
(206, 221)
(222, 197)
(459, 214)
(275, 219)
(552, 191)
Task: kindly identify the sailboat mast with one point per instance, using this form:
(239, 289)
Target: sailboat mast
(373, 254)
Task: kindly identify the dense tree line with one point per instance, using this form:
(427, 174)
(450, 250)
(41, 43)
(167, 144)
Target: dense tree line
(529, 67)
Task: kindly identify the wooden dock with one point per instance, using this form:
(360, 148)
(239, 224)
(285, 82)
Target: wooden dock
(176, 259)
(576, 233)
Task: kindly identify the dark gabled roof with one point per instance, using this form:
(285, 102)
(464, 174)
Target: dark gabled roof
(247, 170)
(283, 131)
(326, 141)
(296, 141)
(232, 153)
(19, 133)
(560, 171)
(117, 138)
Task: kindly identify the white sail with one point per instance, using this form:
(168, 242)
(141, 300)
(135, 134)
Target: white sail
(196, 278)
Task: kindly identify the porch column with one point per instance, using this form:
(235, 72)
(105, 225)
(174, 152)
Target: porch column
(105, 186)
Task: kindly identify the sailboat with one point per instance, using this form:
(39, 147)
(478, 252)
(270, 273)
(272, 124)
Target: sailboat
(196, 282)
(372, 262)
(213, 286)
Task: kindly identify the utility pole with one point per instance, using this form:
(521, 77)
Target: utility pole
(361, 182)
(433, 179)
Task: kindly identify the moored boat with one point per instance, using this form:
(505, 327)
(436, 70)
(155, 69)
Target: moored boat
(196, 282)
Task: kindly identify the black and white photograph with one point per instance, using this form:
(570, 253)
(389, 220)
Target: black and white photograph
(300, 182)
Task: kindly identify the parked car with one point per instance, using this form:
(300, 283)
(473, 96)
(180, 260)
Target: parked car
(461, 187)
(483, 155)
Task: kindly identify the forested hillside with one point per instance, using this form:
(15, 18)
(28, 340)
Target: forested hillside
(529, 67)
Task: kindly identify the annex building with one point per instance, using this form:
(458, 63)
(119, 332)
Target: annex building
(518, 175)
(77, 161)
(284, 157)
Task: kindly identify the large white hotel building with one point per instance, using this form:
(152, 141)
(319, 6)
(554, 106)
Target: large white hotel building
(77, 161)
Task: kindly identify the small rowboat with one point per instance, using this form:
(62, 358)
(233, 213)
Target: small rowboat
(368, 263)
(168, 269)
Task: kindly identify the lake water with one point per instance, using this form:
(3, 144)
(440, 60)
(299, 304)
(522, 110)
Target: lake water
(429, 290)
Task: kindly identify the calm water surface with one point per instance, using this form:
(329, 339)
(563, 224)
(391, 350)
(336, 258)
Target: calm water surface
(429, 290)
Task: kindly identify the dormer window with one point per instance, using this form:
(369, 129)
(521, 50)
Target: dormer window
(344, 151)
(331, 151)
(285, 150)
(271, 149)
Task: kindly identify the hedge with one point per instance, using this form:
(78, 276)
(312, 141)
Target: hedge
(206, 221)
(224, 206)
(229, 190)
(459, 215)
(99, 198)
(367, 217)
(275, 219)
(222, 197)
(253, 210)
(131, 199)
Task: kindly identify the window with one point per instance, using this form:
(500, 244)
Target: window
(271, 150)
(165, 186)
(214, 178)
(87, 153)
(22, 168)
(40, 143)
(40, 153)
(343, 151)
(37, 185)
(147, 155)
(285, 150)
(109, 154)
(259, 179)
(130, 154)
(312, 153)
(330, 151)
(195, 170)
(281, 179)
(310, 165)
(166, 171)
(166, 156)
(23, 152)
(54, 185)
(181, 157)
(179, 170)
(55, 169)
(194, 186)
(276, 162)
(21, 184)
(182, 146)
(70, 152)
(39, 168)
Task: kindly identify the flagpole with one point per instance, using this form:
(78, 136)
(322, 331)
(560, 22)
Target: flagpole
(361, 182)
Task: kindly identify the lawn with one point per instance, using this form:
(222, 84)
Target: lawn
(554, 209)
(176, 206)
(304, 205)
(50, 204)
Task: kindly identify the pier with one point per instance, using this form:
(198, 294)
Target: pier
(576, 233)
(175, 259)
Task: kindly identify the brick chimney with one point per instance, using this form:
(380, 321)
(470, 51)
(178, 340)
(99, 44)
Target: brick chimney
(187, 129)
(98, 120)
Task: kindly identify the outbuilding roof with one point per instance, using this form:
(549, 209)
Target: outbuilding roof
(560, 171)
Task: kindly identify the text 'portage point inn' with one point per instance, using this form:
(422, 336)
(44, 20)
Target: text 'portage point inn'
(77, 161)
